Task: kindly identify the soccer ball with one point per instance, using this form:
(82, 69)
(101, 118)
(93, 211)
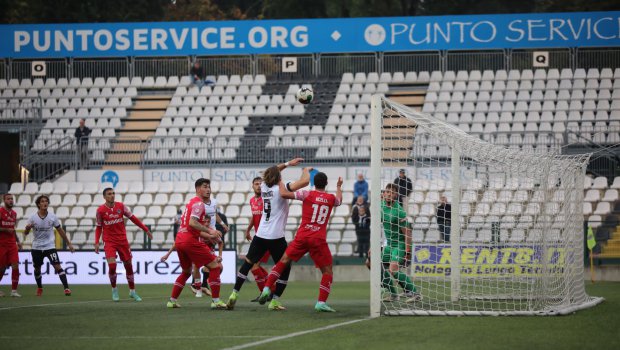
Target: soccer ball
(304, 95)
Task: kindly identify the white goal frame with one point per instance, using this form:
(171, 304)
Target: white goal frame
(575, 299)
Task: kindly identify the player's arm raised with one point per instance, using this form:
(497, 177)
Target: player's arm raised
(292, 162)
(339, 191)
(63, 234)
(288, 191)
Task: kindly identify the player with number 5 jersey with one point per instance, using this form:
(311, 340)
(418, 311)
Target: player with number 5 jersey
(311, 237)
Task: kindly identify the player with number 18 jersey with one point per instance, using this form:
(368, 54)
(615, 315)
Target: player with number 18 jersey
(311, 237)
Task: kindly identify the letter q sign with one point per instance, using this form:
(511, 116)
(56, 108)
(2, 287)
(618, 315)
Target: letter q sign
(540, 59)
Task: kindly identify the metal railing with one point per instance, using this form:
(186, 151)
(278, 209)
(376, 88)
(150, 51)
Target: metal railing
(105, 68)
(22, 69)
(58, 157)
(23, 116)
(198, 151)
(4, 69)
(597, 58)
(336, 65)
(160, 66)
(468, 60)
(412, 61)
(235, 65)
(318, 64)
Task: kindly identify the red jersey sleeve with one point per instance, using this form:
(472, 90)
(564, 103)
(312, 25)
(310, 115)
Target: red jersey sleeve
(301, 194)
(126, 211)
(99, 218)
(198, 210)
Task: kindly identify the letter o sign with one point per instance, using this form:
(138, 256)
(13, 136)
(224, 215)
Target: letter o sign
(39, 69)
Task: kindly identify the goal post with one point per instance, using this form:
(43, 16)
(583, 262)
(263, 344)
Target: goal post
(462, 226)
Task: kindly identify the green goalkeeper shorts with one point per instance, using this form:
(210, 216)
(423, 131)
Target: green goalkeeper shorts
(396, 254)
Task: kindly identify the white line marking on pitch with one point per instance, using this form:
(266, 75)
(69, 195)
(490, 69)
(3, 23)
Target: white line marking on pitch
(295, 334)
(137, 337)
(59, 304)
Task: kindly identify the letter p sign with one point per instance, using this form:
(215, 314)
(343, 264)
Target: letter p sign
(289, 64)
(39, 69)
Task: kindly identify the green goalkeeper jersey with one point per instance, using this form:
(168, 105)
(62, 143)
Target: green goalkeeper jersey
(394, 218)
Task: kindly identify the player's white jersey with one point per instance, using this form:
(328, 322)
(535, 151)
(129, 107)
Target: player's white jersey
(43, 230)
(275, 213)
(211, 210)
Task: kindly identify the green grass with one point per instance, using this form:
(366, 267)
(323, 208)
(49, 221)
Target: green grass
(90, 320)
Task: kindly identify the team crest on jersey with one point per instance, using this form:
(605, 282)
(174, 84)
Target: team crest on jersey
(118, 211)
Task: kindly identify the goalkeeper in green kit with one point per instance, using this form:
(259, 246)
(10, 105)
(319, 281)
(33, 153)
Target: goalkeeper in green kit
(397, 251)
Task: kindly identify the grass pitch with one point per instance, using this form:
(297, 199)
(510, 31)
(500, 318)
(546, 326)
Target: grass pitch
(89, 319)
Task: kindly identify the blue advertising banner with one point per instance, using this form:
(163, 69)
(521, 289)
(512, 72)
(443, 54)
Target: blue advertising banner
(340, 35)
(434, 260)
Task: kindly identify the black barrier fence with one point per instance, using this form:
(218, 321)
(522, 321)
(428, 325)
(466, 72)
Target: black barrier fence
(319, 64)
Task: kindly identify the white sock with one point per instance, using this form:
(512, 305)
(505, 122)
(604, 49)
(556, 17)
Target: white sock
(216, 300)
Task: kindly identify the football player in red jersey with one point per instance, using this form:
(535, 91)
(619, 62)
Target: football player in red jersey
(256, 205)
(311, 237)
(111, 224)
(192, 248)
(9, 243)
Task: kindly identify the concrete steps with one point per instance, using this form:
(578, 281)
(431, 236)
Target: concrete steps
(130, 144)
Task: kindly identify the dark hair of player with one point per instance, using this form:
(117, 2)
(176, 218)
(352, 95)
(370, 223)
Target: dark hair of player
(320, 181)
(258, 178)
(272, 176)
(107, 189)
(391, 187)
(6, 194)
(40, 198)
(202, 181)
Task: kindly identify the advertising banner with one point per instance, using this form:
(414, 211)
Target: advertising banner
(91, 268)
(306, 36)
(434, 260)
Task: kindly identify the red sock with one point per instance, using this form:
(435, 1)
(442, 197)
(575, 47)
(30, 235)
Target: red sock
(214, 282)
(325, 288)
(112, 274)
(260, 275)
(179, 284)
(14, 278)
(129, 274)
(276, 271)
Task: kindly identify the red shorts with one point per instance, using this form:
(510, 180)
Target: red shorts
(8, 255)
(194, 252)
(111, 248)
(265, 258)
(318, 248)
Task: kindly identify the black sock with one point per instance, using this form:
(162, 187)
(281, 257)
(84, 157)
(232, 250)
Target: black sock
(242, 275)
(205, 276)
(282, 282)
(38, 278)
(63, 278)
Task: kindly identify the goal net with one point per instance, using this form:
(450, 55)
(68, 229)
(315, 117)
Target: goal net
(461, 226)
